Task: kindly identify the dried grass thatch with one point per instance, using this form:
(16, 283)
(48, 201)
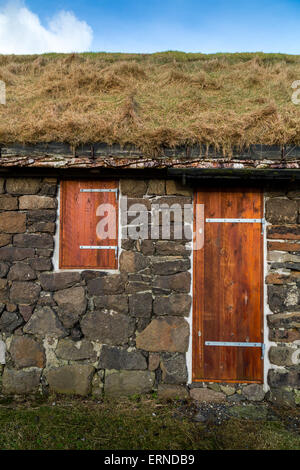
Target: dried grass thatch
(165, 99)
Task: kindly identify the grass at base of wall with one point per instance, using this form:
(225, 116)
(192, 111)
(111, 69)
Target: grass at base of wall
(137, 423)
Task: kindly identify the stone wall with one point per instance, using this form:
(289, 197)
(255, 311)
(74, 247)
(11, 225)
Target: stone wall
(91, 332)
(127, 332)
(283, 291)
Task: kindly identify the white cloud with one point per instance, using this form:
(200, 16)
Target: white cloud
(21, 32)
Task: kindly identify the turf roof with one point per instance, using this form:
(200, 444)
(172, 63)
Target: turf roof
(164, 99)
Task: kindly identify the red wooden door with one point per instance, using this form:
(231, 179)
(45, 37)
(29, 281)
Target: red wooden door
(80, 214)
(228, 288)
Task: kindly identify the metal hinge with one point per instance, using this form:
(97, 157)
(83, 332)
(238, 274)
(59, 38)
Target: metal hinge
(238, 344)
(234, 221)
(96, 247)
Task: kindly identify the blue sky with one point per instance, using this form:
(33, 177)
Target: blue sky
(187, 25)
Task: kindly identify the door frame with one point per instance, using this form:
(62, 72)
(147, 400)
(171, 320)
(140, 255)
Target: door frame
(196, 319)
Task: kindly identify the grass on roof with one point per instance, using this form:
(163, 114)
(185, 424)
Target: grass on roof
(163, 99)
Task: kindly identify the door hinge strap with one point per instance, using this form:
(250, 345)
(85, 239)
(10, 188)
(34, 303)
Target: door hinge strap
(235, 221)
(238, 344)
(115, 190)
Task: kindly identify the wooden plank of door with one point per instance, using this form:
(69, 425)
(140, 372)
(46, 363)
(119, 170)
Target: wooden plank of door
(79, 222)
(228, 288)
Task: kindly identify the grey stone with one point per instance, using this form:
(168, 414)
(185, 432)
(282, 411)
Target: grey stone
(71, 305)
(27, 352)
(36, 202)
(179, 282)
(169, 248)
(11, 307)
(170, 265)
(281, 355)
(117, 358)
(21, 272)
(140, 305)
(97, 386)
(174, 304)
(23, 185)
(9, 322)
(113, 284)
(71, 379)
(278, 378)
(26, 311)
(8, 203)
(213, 386)
(75, 351)
(19, 382)
(5, 239)
(131, 262)
(254, 392)
(153, 361)
(10, 253)
(169, 334)
(283, 297)
(127, 244)
(44, 322)
(157, 187)
(24, 292)
(236, 398)
(34, 240)
(46, 299)
(45, 215)
(228, 390)
(76, 333)
(281, 211)
(175, 187)
(49, 187)
(206, 395)
(128, 382)
(89, 275)
(282, 396)
(133, 287)
(133, 187)
(117, 303)
(41, 264)
(174, 370)
(45, 227)
(147, 247)
(284, 336)
(107, 327)
(284, 320)
(4, 291)
(12, 222)
(58, 281)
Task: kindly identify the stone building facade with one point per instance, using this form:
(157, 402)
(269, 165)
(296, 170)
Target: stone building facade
(128, 331)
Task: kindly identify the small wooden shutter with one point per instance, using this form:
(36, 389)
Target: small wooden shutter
(79, 241)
